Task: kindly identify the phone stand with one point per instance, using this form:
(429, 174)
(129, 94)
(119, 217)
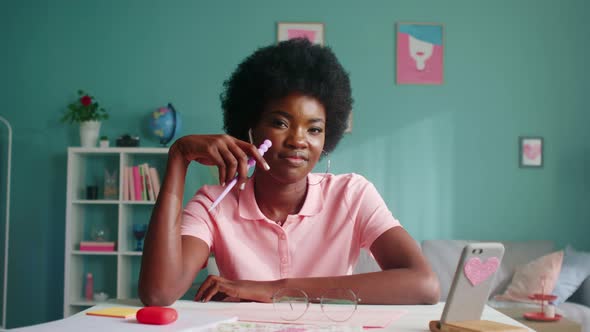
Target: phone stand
(434, 326)
(473, 326)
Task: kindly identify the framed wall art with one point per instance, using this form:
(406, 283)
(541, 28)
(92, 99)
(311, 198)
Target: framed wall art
(530, 151)
(314, 32)
(419, 53)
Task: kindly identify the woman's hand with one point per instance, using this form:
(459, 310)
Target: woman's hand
(229, 154)
(220, 289)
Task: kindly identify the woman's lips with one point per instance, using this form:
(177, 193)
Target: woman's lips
(295, 159)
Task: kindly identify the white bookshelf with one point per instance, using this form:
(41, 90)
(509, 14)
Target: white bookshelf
(116, 272)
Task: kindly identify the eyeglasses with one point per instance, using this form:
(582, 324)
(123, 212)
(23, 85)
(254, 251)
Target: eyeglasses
(338, 304)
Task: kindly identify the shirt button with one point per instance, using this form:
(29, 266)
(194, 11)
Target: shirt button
(283, 236)
(284, 260)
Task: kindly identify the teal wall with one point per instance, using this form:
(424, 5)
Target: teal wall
(444, 157)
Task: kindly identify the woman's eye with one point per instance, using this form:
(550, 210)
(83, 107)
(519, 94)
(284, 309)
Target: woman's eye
(279, 123)
(316, 130)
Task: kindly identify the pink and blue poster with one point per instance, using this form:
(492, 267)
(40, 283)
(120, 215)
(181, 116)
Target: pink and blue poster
(419, 53)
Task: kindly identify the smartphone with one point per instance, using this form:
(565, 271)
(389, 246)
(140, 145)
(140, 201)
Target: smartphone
(472, 281)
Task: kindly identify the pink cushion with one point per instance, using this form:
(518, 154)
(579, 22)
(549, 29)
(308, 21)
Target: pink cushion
(527, 279)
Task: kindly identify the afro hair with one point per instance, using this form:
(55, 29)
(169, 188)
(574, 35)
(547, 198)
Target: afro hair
(276, 71)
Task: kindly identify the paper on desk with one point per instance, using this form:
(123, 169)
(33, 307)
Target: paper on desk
(188, 320)
(273, 327)
(366, 317)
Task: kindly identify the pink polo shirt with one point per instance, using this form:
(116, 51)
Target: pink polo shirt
(341, 215)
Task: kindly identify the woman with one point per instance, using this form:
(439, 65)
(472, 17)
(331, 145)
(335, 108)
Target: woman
(285, 227)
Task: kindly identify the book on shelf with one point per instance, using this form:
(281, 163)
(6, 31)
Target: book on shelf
(125, 186)
(130, 186)
(97, 246)
(148, 182)
(136, 183)
(141, 183)
(155, 181)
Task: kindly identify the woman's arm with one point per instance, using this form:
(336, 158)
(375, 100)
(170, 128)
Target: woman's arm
(406, 278)
(171, 262)
(164, 274)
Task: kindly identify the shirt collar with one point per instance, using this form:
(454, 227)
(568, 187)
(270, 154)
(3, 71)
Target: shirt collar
(314, 201)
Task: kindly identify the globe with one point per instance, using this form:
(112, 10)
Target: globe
(165, 124)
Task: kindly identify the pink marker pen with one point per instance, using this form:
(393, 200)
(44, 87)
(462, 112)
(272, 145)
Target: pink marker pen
(251, 162)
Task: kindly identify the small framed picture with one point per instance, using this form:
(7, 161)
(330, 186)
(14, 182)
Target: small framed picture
(531, 151)
(314, 32)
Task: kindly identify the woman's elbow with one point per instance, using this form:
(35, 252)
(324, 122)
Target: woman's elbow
(430, 289)
(155, 297)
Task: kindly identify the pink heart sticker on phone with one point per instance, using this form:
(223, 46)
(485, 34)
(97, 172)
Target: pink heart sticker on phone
(477, 271)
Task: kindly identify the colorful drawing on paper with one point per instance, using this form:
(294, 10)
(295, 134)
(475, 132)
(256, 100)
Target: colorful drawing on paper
(269, 327)
(419, 53)
(365, 317)
(314, 32)
(301, 33)
(531, 151)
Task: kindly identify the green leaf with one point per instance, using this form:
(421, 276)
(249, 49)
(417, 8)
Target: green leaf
(76, 112)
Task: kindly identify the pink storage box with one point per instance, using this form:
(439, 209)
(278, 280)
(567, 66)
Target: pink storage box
(97, 246)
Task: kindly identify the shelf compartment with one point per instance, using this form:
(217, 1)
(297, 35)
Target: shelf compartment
(90, 221)
(89, 170)
(128, 276)
(104, 273)
(129, 161)
(131, 214)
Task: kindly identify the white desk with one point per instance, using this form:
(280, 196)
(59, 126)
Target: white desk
(416, 318)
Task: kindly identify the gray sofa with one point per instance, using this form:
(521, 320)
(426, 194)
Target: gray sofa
(443, 256)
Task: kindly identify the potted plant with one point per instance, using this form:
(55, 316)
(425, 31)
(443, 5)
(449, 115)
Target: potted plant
(87, 112)
(104, 141)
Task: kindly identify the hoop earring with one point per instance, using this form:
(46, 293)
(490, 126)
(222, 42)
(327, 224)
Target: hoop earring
(325, 173)
(250, 136)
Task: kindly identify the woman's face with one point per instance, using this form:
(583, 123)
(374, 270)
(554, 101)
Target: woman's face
(296, 126)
